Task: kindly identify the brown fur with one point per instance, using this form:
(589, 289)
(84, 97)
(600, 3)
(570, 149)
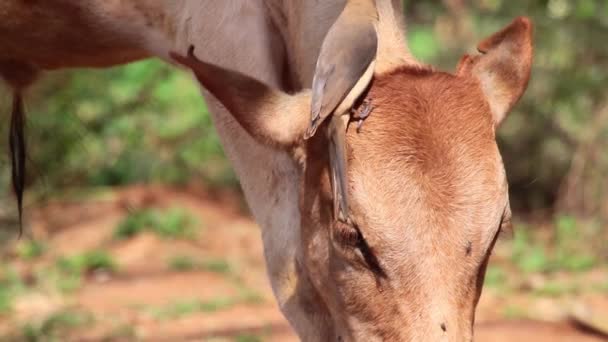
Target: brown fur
(428, 194)
(443, 167)
(274, 41)
(427, 183)
(73, 34)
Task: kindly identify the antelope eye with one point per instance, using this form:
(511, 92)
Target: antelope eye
(348, 238)
(347, 234)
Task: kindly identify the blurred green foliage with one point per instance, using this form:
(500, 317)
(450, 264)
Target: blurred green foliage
(146, 122)
(186, 307)
(30, 249)
(171, 223)
(184, 263)
(10, 286)
(55, 327)
(554, 142)
(248, 338)
(87, 262)
(568, 251)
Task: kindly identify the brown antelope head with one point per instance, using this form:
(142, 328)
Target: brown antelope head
(427, 192)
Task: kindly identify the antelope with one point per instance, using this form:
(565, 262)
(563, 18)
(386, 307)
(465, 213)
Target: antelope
(403, 259)
(382, 234)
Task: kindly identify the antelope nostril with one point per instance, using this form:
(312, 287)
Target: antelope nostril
(444, 327)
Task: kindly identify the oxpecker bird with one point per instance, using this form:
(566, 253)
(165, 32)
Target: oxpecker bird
(346, 62)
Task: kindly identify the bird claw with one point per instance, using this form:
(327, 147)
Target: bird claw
(362, 113)
(359, 115)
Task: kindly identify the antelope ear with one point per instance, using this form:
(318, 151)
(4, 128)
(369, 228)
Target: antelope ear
(346, 61)
(503, 68)
(270, 116)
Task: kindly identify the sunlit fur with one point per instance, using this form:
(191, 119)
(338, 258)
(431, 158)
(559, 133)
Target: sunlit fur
(428, 194)
(420, 288)
(274, 41)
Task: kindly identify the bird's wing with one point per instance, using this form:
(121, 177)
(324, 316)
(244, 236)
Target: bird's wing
(346, 54)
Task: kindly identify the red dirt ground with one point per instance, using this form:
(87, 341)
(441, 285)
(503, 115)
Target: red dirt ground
(135, 302)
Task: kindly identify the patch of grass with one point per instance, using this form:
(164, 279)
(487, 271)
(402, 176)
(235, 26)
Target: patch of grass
(123, 332)
(575, 263)
(601, 287)
(534, 260)
(64, 282)
(219, 266)
(67, 273)
(30, 249)
(249, 296)
(10, 286)
(186, 307)
(566, 229)
(495, 276)
(514, 312)
(87, 262)
(570, 254)
(526, 255)
(183, 308)
(555, 289)
(173, 223)
(55, 327)
(533, 256)
(184, 263)
(218, 304)
(247, 338)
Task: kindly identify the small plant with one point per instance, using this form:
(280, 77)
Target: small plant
(575, 262)
(87, 263)
(566, 230)
(495, 276)
(555, 289)
(55, 326)
(514, 312)
(535, 260)
(526, 255)
(10, 286)
(173, 223)
(68, 271)
(30, 249)
(55, 277)
(182, 263)
(247, 338)
(133, 224)
(602, 287)
(249, 296)
(186, 307)
(217, 266)
(521, 243)
(122, 332)
(530, 255)
(569, 254)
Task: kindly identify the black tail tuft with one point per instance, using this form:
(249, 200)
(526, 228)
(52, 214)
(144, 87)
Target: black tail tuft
(16, 141)
(19, 75)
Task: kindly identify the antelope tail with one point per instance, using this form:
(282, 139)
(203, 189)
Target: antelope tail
(19, 76)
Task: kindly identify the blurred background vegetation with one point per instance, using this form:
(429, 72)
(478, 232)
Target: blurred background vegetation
(146, 123)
